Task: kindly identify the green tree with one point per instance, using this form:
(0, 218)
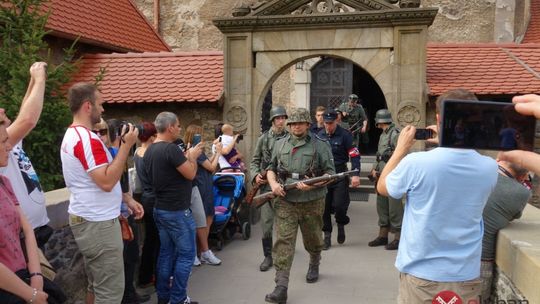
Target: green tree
(22, 32)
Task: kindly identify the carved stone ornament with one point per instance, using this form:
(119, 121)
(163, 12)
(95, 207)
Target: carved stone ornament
(409, 3)
(322, 7)
(409, 115)
(241, 9)
(237, 116)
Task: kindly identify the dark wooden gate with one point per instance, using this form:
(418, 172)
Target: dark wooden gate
(331, 82)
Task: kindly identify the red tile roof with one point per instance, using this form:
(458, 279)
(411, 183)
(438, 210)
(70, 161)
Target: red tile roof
(117, 25)
(485, 69)
(156, 77)
(532, 35)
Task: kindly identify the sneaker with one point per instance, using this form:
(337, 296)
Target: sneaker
(197, 262)
(188, 301)
(209, 258)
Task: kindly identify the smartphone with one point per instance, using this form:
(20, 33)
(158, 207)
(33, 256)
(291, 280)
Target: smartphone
(423, 134)
(196, 139)
(485, 125)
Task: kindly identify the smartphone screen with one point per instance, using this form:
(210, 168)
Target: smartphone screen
(423, 134)
(196, 139)
(485, 125)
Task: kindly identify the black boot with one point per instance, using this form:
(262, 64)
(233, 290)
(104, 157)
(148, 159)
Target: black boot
(382, 239)
(340, 234)
(327, 240)
(312, 274)
(267, 249)
(279, 295)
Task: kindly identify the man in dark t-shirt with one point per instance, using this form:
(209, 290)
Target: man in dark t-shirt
(170, 173)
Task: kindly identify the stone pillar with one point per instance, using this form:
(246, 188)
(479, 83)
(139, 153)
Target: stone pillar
(302, 86)
(505, 11)
(409, 104)
(238, 109)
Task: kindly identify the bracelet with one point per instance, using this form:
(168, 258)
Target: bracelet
(33, 274)
(34, 294)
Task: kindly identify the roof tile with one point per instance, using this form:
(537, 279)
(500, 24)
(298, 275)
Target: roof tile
(117, 25)
(484, 69)
(156, 77)
(532, 35)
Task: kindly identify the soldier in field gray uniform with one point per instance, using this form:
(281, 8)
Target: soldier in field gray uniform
(390, 210)
(259, 163)
(299, 155)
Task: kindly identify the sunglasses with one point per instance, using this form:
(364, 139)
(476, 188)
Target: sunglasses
(101, 132)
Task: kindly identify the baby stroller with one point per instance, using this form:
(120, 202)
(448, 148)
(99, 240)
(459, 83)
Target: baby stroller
(231, 211)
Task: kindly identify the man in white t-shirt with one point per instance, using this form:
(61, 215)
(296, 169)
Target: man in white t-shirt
(20, 170)
(92, 176)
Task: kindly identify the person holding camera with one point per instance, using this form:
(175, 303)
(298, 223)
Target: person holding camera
(337, 198)
(446, 189)
(92, 176)
(389, 210)
(171, 173)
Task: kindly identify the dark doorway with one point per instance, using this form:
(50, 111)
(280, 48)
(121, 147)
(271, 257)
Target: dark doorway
(334, 79)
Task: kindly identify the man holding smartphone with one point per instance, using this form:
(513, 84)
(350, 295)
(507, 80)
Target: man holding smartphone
(446, 191)
(389, 210)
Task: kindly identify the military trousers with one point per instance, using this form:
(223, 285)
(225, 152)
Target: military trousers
(267, 219)
(390, 212)
(290, 216)
(337, 201)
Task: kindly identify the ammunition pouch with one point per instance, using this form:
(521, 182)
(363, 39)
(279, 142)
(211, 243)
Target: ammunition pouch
(385, 156)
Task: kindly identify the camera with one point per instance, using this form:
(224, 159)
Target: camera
(423, 134)
(240, 137)
(126, 124)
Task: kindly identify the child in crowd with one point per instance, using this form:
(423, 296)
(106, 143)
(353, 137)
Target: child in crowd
(230, 157)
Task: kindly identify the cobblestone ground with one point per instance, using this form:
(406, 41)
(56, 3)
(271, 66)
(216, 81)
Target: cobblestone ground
(352, 273)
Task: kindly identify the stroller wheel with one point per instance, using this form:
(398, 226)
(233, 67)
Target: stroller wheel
(219, 245)
(246, 231)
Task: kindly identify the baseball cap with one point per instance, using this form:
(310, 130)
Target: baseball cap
(329, 115)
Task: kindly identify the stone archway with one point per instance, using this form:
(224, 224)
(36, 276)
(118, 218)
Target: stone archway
(385, 40)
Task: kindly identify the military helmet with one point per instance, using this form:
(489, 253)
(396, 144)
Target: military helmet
(383, 116)
(277, 111)
(353, 97)
(299, 115)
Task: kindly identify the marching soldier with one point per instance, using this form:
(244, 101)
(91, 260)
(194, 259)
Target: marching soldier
(299, 155)
(354, 117)
(259, 163)
(337, 198)
(390, 210)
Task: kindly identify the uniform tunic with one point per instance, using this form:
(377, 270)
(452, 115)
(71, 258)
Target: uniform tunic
(299, 208)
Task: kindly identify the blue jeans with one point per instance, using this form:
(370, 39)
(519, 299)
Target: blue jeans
(176, 253)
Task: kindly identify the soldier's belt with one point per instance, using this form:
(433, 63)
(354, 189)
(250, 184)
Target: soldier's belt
(295, 175)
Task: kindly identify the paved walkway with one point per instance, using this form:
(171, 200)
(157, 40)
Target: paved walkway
(352, 273)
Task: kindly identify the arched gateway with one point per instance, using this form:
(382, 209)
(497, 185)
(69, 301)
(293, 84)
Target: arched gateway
(386, 40)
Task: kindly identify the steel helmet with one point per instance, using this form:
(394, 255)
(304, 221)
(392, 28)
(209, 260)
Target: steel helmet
(277, 111)
(299, 115)
(383, 116)
(353, 97)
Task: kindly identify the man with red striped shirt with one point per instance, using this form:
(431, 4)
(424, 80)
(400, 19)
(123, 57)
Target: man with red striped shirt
(92, 177)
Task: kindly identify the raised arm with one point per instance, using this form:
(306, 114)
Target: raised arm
(31, 106)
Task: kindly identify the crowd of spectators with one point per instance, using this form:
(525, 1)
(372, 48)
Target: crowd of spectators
(447, 239)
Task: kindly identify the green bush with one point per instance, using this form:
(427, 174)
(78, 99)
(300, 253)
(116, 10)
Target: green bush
(22, 29)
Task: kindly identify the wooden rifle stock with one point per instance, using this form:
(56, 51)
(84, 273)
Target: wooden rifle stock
(261, 199)
(254, 189)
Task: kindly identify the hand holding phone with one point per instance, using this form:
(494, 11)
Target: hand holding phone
(423, 134)
(196, 139)
(485, 125)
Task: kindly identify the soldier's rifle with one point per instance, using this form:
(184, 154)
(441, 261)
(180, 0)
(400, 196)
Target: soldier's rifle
(261, 199)
(251, 194)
